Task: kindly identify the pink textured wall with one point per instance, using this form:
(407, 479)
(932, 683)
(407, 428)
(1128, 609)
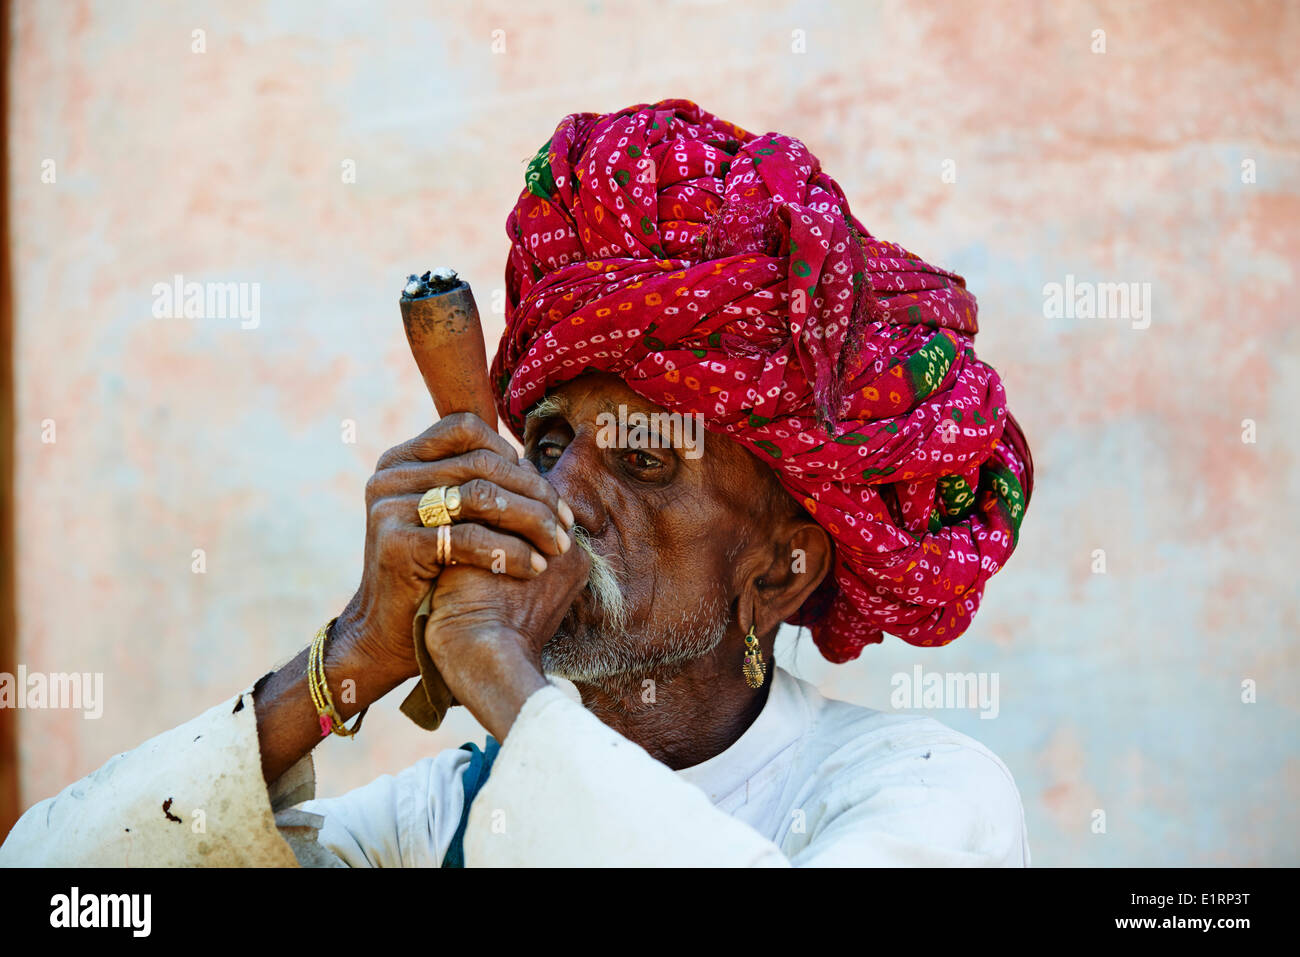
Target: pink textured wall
(1120, 691)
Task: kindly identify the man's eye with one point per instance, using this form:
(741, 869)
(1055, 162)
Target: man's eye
(548, 453)
(643, 461)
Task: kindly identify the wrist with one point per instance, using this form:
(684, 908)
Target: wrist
(385, 649)
(357, 677)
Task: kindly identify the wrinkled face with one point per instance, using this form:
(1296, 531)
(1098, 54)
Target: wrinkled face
(670, 520)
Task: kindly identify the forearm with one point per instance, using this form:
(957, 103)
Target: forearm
(288, 726)
(493, 678)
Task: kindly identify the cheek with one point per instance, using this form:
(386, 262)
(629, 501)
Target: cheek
(676, 565)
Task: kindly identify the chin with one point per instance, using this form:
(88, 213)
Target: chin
(580, 650)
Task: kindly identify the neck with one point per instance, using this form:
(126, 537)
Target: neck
(684, 718)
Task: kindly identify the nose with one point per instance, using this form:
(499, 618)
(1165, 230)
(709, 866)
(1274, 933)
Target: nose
(576, 477)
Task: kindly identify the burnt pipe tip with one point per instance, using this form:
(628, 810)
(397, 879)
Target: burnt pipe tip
(433, 283)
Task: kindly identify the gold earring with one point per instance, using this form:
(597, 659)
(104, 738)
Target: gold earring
(754, 669)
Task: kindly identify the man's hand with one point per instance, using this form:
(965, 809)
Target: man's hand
(510, 518)
(511, 521)
(486, 633)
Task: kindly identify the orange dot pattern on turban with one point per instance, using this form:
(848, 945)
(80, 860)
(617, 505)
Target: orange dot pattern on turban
(721, 272)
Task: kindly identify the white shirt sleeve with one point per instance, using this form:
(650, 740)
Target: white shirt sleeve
(568, 791)
(193, 796)
(402, 820)
(565, 791)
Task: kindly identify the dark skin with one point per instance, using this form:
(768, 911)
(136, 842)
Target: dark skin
(681, 533)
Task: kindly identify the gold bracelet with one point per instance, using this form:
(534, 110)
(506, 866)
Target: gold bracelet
(320, 692)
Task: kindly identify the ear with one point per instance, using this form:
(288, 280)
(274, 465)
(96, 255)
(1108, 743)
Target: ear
(773, 591)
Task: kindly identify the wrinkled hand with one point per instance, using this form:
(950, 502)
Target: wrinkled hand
(486, 633)
(510, 519)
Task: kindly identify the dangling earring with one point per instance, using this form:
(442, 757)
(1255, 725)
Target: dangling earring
(754, 669)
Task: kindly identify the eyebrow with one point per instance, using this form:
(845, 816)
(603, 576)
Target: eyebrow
(610, 406)
(549, 405)
(558, 405)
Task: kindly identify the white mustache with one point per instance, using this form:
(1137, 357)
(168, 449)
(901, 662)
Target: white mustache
(585, 651)
(606, 590)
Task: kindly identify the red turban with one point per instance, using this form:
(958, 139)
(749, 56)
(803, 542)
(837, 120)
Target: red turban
(721, 272)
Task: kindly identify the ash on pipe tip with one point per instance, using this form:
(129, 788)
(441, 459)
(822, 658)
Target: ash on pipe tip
(433, 282)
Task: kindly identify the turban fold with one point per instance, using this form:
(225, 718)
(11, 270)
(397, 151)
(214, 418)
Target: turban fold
(721, 272)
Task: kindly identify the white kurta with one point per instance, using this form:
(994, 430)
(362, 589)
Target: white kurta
(811, 782)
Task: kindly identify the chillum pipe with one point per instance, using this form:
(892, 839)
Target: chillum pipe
(446, 338)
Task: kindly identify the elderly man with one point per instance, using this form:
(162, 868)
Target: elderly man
(860, 474)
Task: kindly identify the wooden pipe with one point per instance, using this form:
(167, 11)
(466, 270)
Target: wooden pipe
(446, 337)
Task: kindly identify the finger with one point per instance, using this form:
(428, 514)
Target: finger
(418, 477)
(474, 545)
(573, 568)
(484, 503)
(488, 504)
(450, 435)
(569, 574)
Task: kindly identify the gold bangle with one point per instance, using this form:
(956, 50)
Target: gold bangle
(330, 719)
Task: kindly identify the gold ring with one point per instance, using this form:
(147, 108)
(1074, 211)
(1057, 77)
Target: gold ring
(439, 506)
(444, 545)
(452, 500)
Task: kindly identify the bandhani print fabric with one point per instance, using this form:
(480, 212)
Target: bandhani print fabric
(722, 272)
